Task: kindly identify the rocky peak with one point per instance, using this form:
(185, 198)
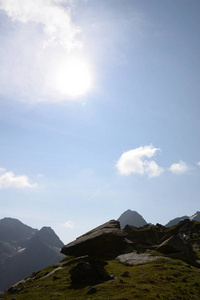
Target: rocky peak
(133, 218)
(14, 230)
(195, 217)
(48, 236)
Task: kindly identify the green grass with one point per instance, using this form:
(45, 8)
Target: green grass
(160, 279)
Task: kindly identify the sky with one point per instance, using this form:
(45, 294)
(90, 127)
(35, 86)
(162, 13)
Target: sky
(99, 111)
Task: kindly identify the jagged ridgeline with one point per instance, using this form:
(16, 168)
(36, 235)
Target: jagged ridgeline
(115, 262)
(24, 250)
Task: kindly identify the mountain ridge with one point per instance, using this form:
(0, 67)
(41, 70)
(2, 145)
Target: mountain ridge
(175, 221)
(25, 250)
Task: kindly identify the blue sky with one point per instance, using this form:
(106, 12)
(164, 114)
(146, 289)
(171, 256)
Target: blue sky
(99, 111)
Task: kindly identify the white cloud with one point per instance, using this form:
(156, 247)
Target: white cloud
(46, 39)
(68, 224)
(152, 169)
(8, 179)
(179, 168)
(198, 164)
(133, 161)
(50, 14)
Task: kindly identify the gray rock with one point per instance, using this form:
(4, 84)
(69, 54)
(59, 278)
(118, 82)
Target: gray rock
(107, 239)
(136, 259)
(173, 245)
(145, 237)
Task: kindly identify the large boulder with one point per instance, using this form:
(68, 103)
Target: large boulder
(173, 245)
(105, 240)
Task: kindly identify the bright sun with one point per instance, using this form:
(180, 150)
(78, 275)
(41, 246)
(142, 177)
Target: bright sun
(73, 77)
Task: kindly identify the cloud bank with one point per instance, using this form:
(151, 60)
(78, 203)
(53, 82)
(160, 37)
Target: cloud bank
(9, 179)
(138, 161)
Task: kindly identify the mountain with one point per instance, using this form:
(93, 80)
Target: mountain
(195, 217)
(176, 221)
(130, 217)
(24, 250)
(12, 230)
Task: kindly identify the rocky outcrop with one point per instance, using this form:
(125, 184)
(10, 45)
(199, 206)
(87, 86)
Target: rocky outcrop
(146, 236)
(107, 239)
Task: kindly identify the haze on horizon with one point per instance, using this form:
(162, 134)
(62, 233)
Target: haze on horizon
(99, 111)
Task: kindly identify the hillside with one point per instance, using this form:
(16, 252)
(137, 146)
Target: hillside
(154, 271)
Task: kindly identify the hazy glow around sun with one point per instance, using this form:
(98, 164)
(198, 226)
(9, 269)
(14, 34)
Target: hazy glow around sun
(73, 77)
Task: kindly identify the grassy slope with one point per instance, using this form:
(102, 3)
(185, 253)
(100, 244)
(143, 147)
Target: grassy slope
(161, 279)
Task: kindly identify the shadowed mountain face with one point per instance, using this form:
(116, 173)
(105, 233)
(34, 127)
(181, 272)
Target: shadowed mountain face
(195, 217)
(12, 230)
(24, 250)
(130, 217)
(176, 221)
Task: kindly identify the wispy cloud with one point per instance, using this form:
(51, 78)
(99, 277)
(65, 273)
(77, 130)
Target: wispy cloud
(68, 224)
(9, 179)
(137, 161)
(198, 164)
(179, 168)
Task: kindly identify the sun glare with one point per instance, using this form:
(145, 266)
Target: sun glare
(73, 78)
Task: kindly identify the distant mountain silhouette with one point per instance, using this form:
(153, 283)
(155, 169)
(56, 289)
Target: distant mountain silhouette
(130, 217)
(176, 221)
(195, 217)
(24, 250)
(13, 230)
